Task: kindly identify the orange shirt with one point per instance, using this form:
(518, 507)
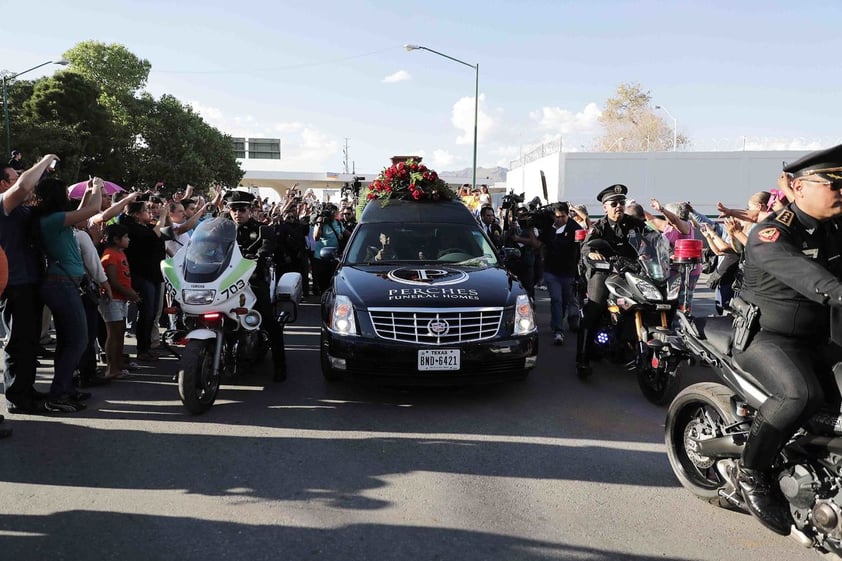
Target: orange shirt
(117, 257)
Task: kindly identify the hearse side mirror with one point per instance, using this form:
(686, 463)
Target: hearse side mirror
(329, 253)
(511, 253)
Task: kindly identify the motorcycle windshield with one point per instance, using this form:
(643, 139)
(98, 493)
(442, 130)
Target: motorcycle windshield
(653, 251)
(209, 250)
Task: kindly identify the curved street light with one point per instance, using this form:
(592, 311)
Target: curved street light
(476, 97)
(674, 126)
(7, 77)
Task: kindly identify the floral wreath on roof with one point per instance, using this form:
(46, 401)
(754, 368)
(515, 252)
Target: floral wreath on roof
(409, 180)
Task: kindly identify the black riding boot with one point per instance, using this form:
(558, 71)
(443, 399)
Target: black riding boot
(758, 486)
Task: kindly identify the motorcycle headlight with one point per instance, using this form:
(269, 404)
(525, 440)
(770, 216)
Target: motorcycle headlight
(674, 288)
(198, 297)
(342, 317)
(524, 318)
(649, 291)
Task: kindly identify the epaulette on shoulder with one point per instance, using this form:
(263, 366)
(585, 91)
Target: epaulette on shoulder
(785, 217)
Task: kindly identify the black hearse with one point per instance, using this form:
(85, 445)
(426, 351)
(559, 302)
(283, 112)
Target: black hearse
(421, 297)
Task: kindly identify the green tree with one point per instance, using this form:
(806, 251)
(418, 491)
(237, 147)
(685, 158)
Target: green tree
(117, 72)
(98, 118)
(632, 125)
(64, 117)
(176, 146)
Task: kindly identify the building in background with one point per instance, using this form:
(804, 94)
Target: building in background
(703, 178)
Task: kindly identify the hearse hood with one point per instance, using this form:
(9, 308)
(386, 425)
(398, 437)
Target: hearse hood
(427, 285)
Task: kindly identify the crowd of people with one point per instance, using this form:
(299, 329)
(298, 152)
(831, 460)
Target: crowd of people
(90, 267)
(550, 257)
(777, 262)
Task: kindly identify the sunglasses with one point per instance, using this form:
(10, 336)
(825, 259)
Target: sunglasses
(834, 185)
(615, 204)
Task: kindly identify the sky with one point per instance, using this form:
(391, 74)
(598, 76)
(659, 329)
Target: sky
(328, 74)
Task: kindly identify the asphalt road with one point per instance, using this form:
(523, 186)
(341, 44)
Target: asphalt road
(550, 468)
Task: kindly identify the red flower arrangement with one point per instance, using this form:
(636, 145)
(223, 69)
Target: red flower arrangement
(409, 180)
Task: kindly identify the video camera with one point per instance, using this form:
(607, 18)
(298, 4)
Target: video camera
(511, 200)
(323, 211)
(541, 217)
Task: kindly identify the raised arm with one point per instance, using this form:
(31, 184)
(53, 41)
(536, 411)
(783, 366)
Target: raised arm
(92, 203)
(114, 209)
(681, 225)
(191, 222)
(25, 185)
(742, 214)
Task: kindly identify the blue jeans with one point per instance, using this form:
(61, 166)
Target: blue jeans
(149, 293)
(561, 289)
(61, 295)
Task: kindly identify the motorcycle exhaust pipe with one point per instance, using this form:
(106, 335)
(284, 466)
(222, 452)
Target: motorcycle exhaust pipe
(720, 447)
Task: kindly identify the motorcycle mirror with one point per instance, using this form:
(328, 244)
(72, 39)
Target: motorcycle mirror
(600, 245)
(167, 234)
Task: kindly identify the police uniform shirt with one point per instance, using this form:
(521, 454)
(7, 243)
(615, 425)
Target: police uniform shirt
(791, 261)
(617, 234)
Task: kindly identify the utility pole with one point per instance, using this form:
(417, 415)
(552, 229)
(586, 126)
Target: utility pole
(345, 154)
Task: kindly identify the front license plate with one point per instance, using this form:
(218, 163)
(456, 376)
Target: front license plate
(438, 359)
(663, 306)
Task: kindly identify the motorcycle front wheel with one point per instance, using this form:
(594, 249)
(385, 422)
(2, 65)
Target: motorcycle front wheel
(198, 384)
(700, 412)
(656, 385)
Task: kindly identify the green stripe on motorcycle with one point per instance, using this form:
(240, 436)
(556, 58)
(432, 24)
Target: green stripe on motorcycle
(240, 270)
(171, 274)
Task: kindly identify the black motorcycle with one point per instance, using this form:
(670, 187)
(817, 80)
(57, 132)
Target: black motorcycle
(642, 301)
(708, 424)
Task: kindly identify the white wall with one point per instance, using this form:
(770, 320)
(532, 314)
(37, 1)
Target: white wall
(703, 178)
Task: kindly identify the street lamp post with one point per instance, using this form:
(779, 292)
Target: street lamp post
(6, 78)
(476, 96)
(674, 126)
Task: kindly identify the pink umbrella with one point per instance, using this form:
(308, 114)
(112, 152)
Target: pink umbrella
(77, 191)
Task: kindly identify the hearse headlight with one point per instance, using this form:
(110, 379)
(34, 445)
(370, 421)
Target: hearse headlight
(198, 297)
(342, 316)
(524, 317)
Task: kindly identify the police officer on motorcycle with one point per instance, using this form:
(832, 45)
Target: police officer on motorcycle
(793, 266)
(258, 242)
(608, 238)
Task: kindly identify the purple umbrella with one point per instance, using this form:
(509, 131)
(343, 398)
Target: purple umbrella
(77, 191)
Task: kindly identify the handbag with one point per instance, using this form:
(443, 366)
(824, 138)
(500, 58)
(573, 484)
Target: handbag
(89, 289)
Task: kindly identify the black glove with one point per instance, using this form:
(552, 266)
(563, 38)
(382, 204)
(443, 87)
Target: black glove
(714, 279)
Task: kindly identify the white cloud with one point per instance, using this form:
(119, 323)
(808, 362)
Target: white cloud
(399, 76)
(766, 143)
(568, 122)
(441, 159)
(289, 127)
(462, 118)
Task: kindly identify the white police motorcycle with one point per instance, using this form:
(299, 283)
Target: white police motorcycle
(209, 280)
